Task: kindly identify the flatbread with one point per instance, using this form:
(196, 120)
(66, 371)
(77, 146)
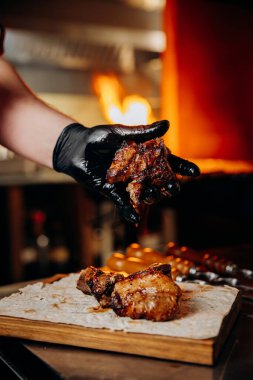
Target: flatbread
(202, 309)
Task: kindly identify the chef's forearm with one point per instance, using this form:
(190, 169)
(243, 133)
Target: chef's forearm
(28, 126)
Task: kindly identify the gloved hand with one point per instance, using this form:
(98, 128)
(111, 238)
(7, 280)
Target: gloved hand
(86, 153)
(179, 166)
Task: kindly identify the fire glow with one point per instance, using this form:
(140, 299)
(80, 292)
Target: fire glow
(117, 107)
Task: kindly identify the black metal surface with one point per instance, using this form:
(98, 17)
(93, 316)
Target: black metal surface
(16, 362)
(235, 361)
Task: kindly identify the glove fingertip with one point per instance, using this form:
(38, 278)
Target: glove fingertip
(162, 124)
(131, 216)
(150, 131)
(190, 169)
(159, 128)
(183, 167)
(194, 170)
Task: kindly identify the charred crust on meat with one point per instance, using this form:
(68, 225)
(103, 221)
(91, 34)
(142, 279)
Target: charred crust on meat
(93, 281)
(149, 294)
(141, 166)
(154, 268)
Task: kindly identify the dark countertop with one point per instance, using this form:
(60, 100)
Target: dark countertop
(32, 360)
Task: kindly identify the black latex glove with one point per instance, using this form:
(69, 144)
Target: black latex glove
(178, 166)
(86, 154)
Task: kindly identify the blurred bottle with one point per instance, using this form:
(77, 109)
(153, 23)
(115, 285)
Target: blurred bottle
(59, 255)
(149, 231)
(34, 255)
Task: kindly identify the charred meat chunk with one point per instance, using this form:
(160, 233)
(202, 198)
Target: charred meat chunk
(93, 281)
(141, 166)
(86, 278)
(150, 294)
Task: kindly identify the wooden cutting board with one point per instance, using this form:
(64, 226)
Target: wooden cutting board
(203, 351)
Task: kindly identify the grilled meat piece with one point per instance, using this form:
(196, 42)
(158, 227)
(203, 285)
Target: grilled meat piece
(93, 281)
(121, 169)
(141, 166)
(150, 294)
(86, 278)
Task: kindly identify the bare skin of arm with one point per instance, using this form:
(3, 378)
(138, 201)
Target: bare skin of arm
(28, 126)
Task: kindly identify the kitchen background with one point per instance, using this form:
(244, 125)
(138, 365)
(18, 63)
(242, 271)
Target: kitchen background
(131, 61)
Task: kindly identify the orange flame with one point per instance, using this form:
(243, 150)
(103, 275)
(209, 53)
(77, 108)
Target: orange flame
(120, 109)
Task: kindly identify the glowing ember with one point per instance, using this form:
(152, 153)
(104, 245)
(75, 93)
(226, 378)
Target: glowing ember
(120, 109)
